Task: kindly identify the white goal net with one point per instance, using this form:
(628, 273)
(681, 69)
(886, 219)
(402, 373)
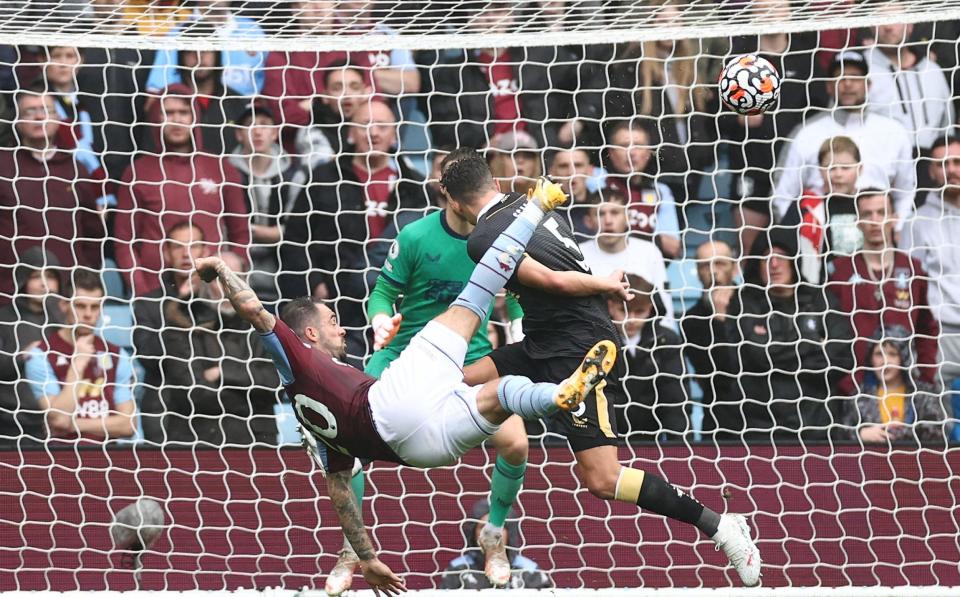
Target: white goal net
(790, 353)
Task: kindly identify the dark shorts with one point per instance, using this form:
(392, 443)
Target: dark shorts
(590, 426)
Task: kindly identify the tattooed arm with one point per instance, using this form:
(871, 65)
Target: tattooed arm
(238, 292)
(351, 518)
(377, 574)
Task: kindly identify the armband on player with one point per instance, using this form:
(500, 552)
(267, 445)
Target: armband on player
(385, 328)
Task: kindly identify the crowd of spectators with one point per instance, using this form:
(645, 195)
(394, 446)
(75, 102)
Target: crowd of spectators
(832, 311)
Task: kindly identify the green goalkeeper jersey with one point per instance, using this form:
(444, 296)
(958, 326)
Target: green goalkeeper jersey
(428, 264)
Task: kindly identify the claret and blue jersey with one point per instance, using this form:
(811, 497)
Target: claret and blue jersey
(330, 399)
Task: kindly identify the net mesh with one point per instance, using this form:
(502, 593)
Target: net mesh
(296, 139)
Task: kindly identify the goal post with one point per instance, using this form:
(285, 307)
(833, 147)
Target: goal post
(97, 180)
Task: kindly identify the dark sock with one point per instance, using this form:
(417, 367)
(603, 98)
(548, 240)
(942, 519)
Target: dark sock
(659, 496)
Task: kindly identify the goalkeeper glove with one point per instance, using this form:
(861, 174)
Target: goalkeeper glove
(385, 328)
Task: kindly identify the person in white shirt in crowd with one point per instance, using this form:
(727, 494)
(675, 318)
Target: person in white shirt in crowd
(615, 248)
(931, 237)
(886, 146)
(908, 85)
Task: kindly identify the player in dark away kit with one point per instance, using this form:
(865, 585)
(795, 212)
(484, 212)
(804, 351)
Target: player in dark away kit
(565, 313)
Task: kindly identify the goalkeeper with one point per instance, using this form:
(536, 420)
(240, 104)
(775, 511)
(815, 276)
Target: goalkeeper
(428, 264)
(420, 413)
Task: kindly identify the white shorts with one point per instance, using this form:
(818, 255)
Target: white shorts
(420, 405)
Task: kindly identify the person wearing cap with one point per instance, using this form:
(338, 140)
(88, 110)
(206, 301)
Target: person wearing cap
(514, 159)
(908, 85)
(654, 395)
(22, 327)
(886, 146)
(615, 248)
(272, 178)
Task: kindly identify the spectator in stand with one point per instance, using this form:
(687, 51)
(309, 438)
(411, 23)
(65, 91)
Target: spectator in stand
(931, 238)
(473, 95)
(886, 146)
(157, 309)
(76, 133)
(295, 78)
(827, 225)
(892, 406)
(755, 142)
(82, 382)
(880, 286)
(243, 71)
(788, 349)
(111, 81)
(655, 395)
(344, 92)
(46, 197)
(514, 159)
(907, 84)
(23, 325)
(702, 326)
(392, 73)
(272, 179)
(140, 17)
(616, 249)
(571, 168)
(216, 105)
(343, 213)
(222, 387)
(178, 182)
(466, 571)
(653, 212)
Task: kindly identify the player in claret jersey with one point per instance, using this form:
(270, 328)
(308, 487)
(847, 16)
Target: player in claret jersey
(420, 413)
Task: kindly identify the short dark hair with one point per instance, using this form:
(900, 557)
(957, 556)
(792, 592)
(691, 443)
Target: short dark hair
(873, 192)
(630, 125)
(465, 175)
(84, 278)
(300, 313)
(341, 65)
(943, 141)
(183, 225)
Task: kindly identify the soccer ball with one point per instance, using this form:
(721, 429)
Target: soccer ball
(749, 84)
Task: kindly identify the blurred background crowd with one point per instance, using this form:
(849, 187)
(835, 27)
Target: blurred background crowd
(797, 272)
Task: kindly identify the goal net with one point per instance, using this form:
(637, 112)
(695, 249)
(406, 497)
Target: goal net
(790, 352)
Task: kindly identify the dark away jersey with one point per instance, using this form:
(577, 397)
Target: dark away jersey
(330, 400)
(553, 325)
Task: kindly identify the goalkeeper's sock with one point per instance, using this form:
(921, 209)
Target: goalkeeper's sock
(499, 262)
(504, 487)
(650, 492)
(519, 395)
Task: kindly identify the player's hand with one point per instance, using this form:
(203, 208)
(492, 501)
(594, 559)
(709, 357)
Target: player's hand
(874, 433)
(206, 268)
(385, 328)
(380, 578)
(619, 287)
(83, 351)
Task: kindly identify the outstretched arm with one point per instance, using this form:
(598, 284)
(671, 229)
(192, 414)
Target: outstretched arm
(238, 292)
(377, 574)
(570, 283)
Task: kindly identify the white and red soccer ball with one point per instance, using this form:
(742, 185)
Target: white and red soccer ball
(749, 84)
